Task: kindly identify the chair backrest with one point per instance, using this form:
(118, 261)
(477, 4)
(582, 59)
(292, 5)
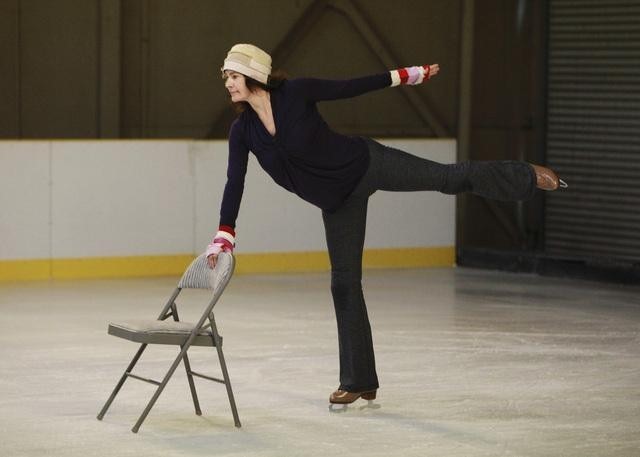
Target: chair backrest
(200, 276)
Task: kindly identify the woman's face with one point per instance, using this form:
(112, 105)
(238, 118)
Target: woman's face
(236, 85)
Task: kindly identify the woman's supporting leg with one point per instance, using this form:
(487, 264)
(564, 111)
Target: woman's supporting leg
(345, 232)
(395, 170)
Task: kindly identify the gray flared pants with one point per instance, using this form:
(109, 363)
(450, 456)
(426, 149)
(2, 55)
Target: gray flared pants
(394, 170)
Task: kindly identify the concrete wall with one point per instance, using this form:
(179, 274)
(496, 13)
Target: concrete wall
(73, 208)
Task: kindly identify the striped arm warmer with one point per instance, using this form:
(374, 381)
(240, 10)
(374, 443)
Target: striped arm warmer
(410, 75)
(224, 240)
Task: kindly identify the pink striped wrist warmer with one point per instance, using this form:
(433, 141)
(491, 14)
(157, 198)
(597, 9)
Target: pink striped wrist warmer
(409, 75)
(224, 240)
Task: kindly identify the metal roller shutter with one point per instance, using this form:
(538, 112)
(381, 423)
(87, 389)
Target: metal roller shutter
(593, 129)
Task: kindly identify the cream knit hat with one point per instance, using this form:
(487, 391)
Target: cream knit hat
(249, 60)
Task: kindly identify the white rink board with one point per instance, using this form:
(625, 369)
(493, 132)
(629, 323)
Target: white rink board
(70, 199)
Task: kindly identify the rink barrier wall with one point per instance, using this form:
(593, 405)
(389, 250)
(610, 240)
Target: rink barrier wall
(131, 208)
(174, 265)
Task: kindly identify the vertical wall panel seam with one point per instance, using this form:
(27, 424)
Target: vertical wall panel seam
(142, 73)
(19, 66)
(193, 171)
(50, 228)
(145, 76)
(465, 89)
(99, 106)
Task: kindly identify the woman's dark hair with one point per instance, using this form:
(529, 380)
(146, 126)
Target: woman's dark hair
(276, 78)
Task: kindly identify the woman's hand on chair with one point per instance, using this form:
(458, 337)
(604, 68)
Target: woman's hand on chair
(211, 260)
(223, 241)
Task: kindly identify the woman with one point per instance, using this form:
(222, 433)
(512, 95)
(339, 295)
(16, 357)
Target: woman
(281, 126)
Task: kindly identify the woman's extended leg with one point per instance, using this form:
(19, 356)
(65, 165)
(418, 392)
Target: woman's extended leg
(395, 170)
(345, 232)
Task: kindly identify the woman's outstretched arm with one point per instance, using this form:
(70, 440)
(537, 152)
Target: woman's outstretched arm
(315, 89)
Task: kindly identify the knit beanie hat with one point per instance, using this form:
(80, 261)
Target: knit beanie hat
(249, 60)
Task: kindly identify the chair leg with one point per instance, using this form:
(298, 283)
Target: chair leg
(187, 365)
(225, 373)
(227, 384)
(121, 382)
(160, 388)
(192, 385)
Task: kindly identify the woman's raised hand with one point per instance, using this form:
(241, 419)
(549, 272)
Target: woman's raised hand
(434, 68)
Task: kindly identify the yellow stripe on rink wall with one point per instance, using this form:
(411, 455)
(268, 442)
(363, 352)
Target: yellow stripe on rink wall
(298, 262)
(94, 267)
(120, 267)
(174, 265)
(20, 270)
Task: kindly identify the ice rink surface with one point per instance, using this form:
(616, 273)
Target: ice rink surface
(471, 363)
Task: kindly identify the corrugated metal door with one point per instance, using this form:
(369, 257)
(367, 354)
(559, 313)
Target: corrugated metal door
(593, 129)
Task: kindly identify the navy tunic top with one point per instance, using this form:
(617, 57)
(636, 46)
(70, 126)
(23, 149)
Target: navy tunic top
(305, 156)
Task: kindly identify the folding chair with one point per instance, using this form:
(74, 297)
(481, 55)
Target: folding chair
(183, 334)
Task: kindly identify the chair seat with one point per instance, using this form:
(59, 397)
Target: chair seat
(159, 332)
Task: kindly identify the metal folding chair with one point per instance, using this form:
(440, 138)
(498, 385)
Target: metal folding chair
(183, 334)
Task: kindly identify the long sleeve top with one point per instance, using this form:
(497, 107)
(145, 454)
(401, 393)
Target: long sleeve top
(305, 156)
